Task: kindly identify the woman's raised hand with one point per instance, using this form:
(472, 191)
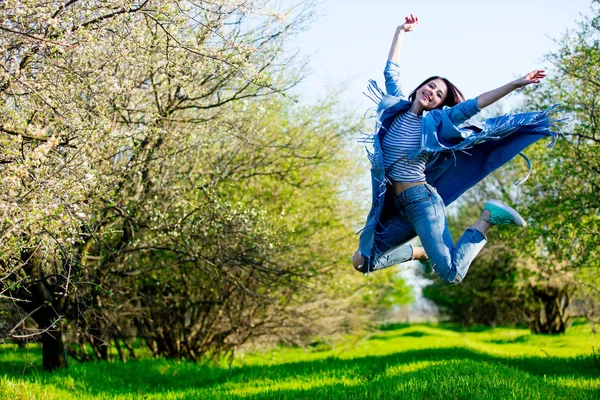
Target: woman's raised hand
(410, 23)
(535, 76)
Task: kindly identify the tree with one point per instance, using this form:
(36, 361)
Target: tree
(234, 255)
(92, 95)
(562, 200)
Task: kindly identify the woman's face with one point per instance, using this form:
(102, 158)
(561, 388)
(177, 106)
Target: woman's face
(431, 94)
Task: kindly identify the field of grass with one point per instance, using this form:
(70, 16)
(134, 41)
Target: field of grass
(397, 362)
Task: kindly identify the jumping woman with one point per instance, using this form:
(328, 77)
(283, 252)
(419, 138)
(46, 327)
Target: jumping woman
(425, 157)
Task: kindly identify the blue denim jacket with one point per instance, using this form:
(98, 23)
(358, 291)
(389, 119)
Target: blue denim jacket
(464, 154)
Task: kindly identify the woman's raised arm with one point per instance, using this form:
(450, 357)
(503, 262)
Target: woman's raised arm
(391, 72)
(410, 23)
(487, 98)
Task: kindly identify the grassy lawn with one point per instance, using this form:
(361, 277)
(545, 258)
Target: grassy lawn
(398, 362)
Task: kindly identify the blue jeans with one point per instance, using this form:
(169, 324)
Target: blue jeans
(421, 211)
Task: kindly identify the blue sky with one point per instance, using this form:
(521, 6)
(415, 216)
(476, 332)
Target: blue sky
(478, 45)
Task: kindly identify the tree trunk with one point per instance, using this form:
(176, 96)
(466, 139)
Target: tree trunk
(551, 315)
(100, 342)
(41, 302)
(54, 350)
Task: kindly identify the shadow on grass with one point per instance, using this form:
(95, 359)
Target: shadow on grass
(158, 376)
(415, 331)
(455, 327)
(415, 334)
(519, 339)
(460, 379)
(394, 326)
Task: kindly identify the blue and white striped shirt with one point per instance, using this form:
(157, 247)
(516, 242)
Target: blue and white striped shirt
(403, 136)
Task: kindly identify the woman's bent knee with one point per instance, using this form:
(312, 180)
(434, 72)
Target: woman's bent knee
(360, 263)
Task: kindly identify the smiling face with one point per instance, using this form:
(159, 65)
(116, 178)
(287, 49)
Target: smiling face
(431, 94)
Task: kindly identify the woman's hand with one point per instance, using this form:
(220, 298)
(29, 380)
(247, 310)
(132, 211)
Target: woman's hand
(410, 23)
(532, 77)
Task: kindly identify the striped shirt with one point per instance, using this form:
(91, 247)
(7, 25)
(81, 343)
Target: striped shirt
(403, 136)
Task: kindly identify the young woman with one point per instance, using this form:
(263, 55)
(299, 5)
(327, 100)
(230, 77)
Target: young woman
(420, 164)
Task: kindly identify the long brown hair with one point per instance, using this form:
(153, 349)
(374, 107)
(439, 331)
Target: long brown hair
(453, 97)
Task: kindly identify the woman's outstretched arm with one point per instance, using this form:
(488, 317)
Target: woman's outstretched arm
(410, 23)
(487, 98)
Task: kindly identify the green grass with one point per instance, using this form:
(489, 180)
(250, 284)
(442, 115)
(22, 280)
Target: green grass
(396, 362)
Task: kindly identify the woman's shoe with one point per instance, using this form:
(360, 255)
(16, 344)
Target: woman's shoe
(501, 214)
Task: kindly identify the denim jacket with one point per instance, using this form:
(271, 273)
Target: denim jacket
(463, 154)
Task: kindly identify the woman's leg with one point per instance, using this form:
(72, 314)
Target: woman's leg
(426, 212)
(389, 248)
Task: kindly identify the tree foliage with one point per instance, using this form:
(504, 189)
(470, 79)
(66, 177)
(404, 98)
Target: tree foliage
(156, 181)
